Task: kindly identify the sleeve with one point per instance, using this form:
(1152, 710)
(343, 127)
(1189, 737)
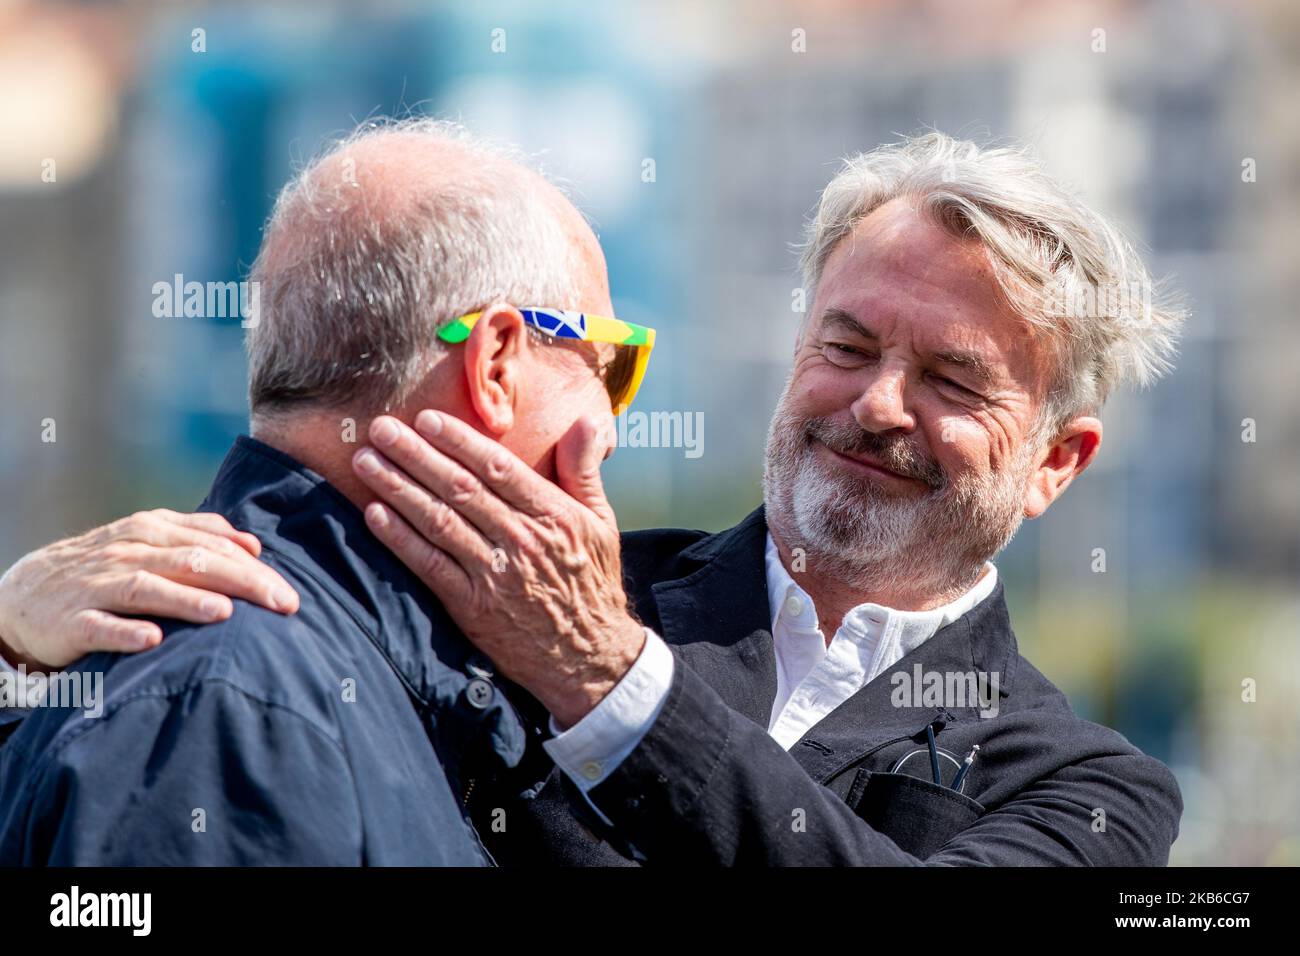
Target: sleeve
(247, 782)
(590, 750)
(706, 786)
(18, 694)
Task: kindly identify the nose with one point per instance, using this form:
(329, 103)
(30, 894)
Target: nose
(882, 406)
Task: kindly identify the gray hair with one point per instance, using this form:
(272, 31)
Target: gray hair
(1061, 267)
(352, 287)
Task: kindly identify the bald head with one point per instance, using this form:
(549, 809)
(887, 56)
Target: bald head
(396, 230)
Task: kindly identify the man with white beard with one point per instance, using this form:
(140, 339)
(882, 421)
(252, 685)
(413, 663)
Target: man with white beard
(788, 691)
(944, 388)
(858, 530)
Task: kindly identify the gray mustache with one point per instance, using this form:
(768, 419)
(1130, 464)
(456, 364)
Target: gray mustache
(896, 454)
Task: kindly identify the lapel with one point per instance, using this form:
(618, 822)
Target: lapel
(980, 641)
(718, 621)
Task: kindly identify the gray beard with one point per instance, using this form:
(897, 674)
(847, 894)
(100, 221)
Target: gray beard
(866, 537)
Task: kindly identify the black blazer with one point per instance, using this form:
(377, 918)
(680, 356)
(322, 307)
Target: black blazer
(708, 784)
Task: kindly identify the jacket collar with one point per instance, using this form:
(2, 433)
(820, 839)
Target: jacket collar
(717, 618)
(312, 526)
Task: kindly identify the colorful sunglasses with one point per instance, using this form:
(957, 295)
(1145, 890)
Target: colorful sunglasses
(623, 376)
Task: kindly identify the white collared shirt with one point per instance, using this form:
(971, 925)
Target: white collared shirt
(812, 677)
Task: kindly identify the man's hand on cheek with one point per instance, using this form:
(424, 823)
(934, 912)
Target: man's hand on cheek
(531, 574)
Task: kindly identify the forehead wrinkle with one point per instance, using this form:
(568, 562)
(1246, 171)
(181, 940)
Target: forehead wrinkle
(835, 316)
(905, 248)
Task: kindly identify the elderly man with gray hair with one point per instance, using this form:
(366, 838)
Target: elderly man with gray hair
(411, 267)
(835, 679)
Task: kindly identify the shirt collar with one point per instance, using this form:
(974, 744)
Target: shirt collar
(911, 627)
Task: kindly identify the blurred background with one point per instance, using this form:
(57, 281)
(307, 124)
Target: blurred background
(143, 140)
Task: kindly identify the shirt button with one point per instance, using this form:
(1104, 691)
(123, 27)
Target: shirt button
(480, 693)
(591, 770)
(793, 605)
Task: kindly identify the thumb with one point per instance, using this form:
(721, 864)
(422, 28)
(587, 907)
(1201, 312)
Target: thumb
(578, 455)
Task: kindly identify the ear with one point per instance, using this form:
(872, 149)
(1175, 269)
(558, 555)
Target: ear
(1070, 453)
(494, 354)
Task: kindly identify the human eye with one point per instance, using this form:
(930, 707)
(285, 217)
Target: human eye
(844, 355)
(955, 388)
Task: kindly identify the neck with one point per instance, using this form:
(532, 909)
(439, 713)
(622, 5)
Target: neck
(836, 589)
(317, 440)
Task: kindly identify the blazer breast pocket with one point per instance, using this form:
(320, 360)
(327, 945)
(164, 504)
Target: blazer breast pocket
(917, 814)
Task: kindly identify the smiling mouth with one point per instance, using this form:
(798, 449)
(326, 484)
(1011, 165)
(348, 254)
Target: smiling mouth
(867, 466)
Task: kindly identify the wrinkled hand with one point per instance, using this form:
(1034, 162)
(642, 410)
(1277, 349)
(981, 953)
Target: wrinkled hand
(62, 601)
(530, 572)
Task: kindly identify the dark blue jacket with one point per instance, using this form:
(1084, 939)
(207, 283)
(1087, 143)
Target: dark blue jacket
(708, 785)
(348, 733)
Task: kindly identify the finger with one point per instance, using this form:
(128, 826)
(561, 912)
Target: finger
(578, 456)
(433, 566)
(495, 465)
(249, 542)
(427, 513)
(97, 630)
(445, 479)
(238, 576)
(161, 529)
(145, 592)
(218, 525)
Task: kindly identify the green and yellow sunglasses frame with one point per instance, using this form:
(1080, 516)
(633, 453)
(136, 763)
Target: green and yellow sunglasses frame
(624, 375)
